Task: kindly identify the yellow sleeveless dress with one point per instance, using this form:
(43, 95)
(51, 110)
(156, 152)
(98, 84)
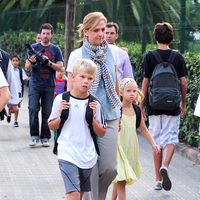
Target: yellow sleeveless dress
(128, 164)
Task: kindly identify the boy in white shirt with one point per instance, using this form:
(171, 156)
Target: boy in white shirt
(20, 77)
(76, 148)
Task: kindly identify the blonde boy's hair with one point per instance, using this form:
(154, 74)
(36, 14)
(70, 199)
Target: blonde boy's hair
(90, 21)
(86, 65)
(124, 82)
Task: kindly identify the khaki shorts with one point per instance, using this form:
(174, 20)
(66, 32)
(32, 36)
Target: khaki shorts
(164, 129)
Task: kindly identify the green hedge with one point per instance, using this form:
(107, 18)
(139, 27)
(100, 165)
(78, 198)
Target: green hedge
(14, 43)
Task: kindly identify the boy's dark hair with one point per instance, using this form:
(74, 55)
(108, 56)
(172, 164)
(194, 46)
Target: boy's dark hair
(163, 33)
(113, 24)
(46, 26)
(15, 56)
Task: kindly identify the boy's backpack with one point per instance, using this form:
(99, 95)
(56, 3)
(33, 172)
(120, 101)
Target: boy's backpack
(164, 86)
(137, 114)
(88, 118)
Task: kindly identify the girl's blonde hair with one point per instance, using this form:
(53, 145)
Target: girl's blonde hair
(86, 65)
(124, 82)
(90, 21)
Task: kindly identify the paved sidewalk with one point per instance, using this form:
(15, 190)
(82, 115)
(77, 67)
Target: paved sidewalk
(33, 174)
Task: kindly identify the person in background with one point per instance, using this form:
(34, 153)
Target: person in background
(77, 153)
(20, 77)
(42, 84)
(61, 82)
(38, 38)
(164, 124)
(7, 69)
(124, 67)
(128, 163)
(4, 91)
(104, 88)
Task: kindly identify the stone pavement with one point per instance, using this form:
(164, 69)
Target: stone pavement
(33, 174)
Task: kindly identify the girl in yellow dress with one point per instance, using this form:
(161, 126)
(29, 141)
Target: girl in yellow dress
(128, 164)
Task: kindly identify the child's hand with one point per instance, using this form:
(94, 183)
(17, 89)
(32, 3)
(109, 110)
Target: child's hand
(93, 106)
(63, 105)
(156, 148)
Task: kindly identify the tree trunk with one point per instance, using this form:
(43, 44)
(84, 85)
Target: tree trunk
(69, 28)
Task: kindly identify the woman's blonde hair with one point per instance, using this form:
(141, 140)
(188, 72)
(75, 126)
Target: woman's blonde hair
(123, 84)
(86, 65)
(90, 21)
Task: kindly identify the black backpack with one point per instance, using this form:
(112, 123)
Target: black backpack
(137, 113)
(88, 117)
(164, 86)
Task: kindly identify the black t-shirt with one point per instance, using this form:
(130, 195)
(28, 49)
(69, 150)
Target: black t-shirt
(149, 64)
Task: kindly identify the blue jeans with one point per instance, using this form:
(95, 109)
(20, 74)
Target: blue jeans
(40, 96)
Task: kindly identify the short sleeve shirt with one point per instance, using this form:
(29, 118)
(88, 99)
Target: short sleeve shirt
(149, 64)
(75, 143)
(43, 75)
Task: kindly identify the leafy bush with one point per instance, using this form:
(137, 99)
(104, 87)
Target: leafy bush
(14, 43)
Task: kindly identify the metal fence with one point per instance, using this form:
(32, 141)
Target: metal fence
(30, 20)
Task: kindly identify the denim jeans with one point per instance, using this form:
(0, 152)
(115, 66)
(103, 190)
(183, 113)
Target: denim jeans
(40, 97)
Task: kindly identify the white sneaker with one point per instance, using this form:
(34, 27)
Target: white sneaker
(158, 185)
(33, 142)
(45, 142)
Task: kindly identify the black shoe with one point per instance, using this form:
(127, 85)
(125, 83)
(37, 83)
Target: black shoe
(166, 182)
(16, 124)
(8, 118)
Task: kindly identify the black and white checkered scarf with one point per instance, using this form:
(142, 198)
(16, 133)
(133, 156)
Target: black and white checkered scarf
(98, 55)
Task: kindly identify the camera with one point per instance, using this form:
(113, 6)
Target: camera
(40, 59)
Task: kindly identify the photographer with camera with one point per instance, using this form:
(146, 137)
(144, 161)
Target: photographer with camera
(43, 60)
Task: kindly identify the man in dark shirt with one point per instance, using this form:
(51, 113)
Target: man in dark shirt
(164, 124)
(42, 84)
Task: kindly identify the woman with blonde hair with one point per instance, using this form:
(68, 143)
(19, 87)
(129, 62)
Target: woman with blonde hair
(95, 48)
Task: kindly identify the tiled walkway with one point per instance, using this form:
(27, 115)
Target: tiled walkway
(32, 174)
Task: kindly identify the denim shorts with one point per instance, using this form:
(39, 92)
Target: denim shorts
(75, 179)
(164, 129)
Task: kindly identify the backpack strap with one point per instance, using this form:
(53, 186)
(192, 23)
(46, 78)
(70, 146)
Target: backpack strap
(138, 115)
(65, 85)
(172, 56)
(63, 118)
(89, 119)
(156, 55)
(21, 79)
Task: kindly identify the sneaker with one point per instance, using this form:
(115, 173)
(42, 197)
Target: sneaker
(166, 182)
(45, 142)
(16, 124)
(8, 118)
(33, 142)
(158, 185)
